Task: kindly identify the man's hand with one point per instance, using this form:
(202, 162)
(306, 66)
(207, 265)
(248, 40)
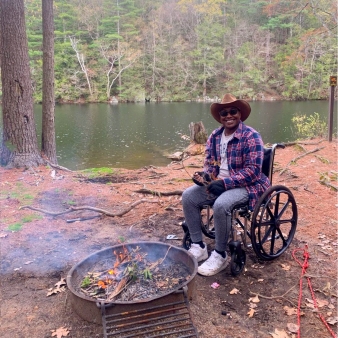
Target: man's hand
(216, 187)
(201, 178)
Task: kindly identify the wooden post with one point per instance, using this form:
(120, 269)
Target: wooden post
(333, 84)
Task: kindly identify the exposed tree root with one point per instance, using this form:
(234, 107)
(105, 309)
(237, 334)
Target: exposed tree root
(86, 207)
(287, 144)
(57, 166)
(159, 193)
(294, 160)
(328, 185)
(277, 297)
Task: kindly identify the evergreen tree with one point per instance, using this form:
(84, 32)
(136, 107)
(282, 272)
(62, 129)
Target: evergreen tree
(19, 146)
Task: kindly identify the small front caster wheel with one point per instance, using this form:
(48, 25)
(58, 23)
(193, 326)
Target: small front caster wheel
(186, 241)
(237, 262)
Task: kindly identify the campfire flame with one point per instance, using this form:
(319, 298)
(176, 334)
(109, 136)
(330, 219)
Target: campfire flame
(120, 257)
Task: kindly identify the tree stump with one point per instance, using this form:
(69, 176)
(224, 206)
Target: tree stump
(198, 133)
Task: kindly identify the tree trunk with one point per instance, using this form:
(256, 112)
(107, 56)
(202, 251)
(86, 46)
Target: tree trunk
(48, 144)
(19, 146)
(197, 133)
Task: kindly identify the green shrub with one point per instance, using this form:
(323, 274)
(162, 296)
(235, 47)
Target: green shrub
(309, 126)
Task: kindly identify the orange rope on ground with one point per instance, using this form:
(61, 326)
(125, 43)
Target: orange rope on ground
(304, 266)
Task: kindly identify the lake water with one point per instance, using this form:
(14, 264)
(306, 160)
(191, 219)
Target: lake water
(133, 135)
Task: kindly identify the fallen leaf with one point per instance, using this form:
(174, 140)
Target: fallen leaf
(60, 286)
(251, 312)
(322, 302)
(327, 287)
(162, 284)
(285, 267)
(3, 235)
(60, 332)
(234, 291)
(54, 291)
(290, 311)
(332, 320)
(293, 328)
(61, 282)
(279, 334)
(254, 299)
(255, 266)
(309, 303)
(30, 318)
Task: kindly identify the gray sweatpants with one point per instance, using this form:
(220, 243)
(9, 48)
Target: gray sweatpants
(196, 196)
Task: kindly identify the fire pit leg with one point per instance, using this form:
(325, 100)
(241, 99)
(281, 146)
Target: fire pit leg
(102, 306)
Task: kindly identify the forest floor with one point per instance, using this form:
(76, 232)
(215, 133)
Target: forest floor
(38, 249)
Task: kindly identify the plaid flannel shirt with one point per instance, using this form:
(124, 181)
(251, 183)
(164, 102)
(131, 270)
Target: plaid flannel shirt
(245, 153)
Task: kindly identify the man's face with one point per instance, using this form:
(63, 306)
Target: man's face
(230, 118)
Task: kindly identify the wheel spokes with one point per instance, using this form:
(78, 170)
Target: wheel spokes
(268, 231)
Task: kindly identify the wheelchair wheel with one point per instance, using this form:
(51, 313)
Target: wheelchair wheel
(237, 263)
(274, 222)
(186, 241)
(207, 223)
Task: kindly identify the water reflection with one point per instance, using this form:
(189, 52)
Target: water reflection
(135, 135)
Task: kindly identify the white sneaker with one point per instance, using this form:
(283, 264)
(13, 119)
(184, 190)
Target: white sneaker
(214, 264)
(199, 253)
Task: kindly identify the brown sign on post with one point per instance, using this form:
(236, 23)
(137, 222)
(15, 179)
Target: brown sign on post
(333, 81)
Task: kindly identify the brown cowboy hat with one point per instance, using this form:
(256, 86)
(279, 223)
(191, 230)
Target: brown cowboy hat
(230, 101)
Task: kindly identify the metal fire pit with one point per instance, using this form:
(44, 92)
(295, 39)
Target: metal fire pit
(164, 315)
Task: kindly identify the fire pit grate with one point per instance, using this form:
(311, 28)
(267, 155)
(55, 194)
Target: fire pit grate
(171, 320)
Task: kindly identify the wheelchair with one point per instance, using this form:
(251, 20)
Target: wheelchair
(273, 222)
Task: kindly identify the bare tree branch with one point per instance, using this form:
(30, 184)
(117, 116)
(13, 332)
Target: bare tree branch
(294, 160)
(159, 193)
(86, 207)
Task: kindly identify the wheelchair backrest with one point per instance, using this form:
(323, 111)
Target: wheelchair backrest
(269, 155)
(267, 163)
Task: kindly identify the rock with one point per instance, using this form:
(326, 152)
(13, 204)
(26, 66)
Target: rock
(195, 149)
(176, 156)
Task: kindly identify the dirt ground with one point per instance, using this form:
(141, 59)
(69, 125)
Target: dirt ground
(38, 249)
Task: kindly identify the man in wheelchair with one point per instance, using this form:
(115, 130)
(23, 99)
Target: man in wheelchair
(232, 175)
